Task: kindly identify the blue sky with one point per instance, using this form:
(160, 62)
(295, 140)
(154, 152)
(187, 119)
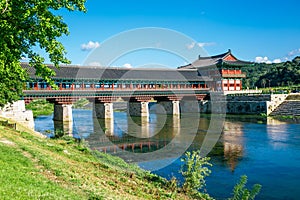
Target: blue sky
(253, 30)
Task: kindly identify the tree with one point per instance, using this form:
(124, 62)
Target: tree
(263, 83)
(27, 25)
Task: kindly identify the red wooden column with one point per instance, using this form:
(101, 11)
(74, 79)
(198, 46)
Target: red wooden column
(36, 86)
(234, 85)
(241, 84)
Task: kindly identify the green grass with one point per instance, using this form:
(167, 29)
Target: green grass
(40, 107)
(82, 104)
(34, 167)
(21, 179)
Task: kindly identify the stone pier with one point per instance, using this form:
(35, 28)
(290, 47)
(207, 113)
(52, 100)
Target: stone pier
(139, 109)
(104, 110)
(63, 118)
(63, 113)
(168, 107)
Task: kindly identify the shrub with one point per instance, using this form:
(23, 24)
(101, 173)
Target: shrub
(194, 170)
(240, 192)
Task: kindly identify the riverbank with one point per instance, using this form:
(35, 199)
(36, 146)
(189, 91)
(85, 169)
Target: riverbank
(34, 167)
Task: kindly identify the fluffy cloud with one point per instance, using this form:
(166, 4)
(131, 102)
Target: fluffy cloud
(191, 46)
(89, 46)
(294, 52)
(127, 65)
(278, 60)
(200, 44)
(94, 64)
(260, 59)
(206, 44)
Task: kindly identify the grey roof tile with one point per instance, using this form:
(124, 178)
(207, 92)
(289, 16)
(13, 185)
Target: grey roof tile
(101, 73)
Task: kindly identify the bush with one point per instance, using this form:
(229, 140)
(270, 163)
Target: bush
(240, 192)
(194, 171)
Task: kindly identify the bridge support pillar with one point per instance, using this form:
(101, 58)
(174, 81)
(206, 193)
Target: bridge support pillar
(63, 113)
(169, 108)
(104, 110)
(139, 109)
(63, 118)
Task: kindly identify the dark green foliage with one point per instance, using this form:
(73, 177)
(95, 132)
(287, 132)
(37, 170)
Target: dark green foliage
(242, 193)
(25, 27)
(273, 75)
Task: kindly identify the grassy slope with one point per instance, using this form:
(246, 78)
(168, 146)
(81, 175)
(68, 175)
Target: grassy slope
(33, 167)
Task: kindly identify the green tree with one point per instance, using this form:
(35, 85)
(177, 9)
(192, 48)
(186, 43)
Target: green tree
(28, 25)
(263, 83)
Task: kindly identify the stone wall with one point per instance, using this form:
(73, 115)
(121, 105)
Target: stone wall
(244, 104)
(17, 112)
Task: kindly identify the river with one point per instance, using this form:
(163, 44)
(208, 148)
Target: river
(268, 152)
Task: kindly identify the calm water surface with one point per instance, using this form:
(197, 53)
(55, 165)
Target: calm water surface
(268, 153)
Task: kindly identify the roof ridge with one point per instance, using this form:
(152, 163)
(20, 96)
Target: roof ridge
(222, 55)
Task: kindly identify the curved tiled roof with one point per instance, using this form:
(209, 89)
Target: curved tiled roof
(216, 60)
(110, 73)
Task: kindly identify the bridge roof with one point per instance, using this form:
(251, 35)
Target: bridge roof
(112, 73)
(225, 58)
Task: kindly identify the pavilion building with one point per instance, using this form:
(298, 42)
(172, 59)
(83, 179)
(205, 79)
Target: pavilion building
(224, 69)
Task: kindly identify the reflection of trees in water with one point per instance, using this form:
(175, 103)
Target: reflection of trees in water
(229, 149)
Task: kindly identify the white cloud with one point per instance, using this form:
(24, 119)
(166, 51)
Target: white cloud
(294, 52)
(127, 65)
(206, 44)
(200, 44)
(94, 64)
(277, 60)
(289, 56)
(191, 46)
(89, 46)
(260, 59)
